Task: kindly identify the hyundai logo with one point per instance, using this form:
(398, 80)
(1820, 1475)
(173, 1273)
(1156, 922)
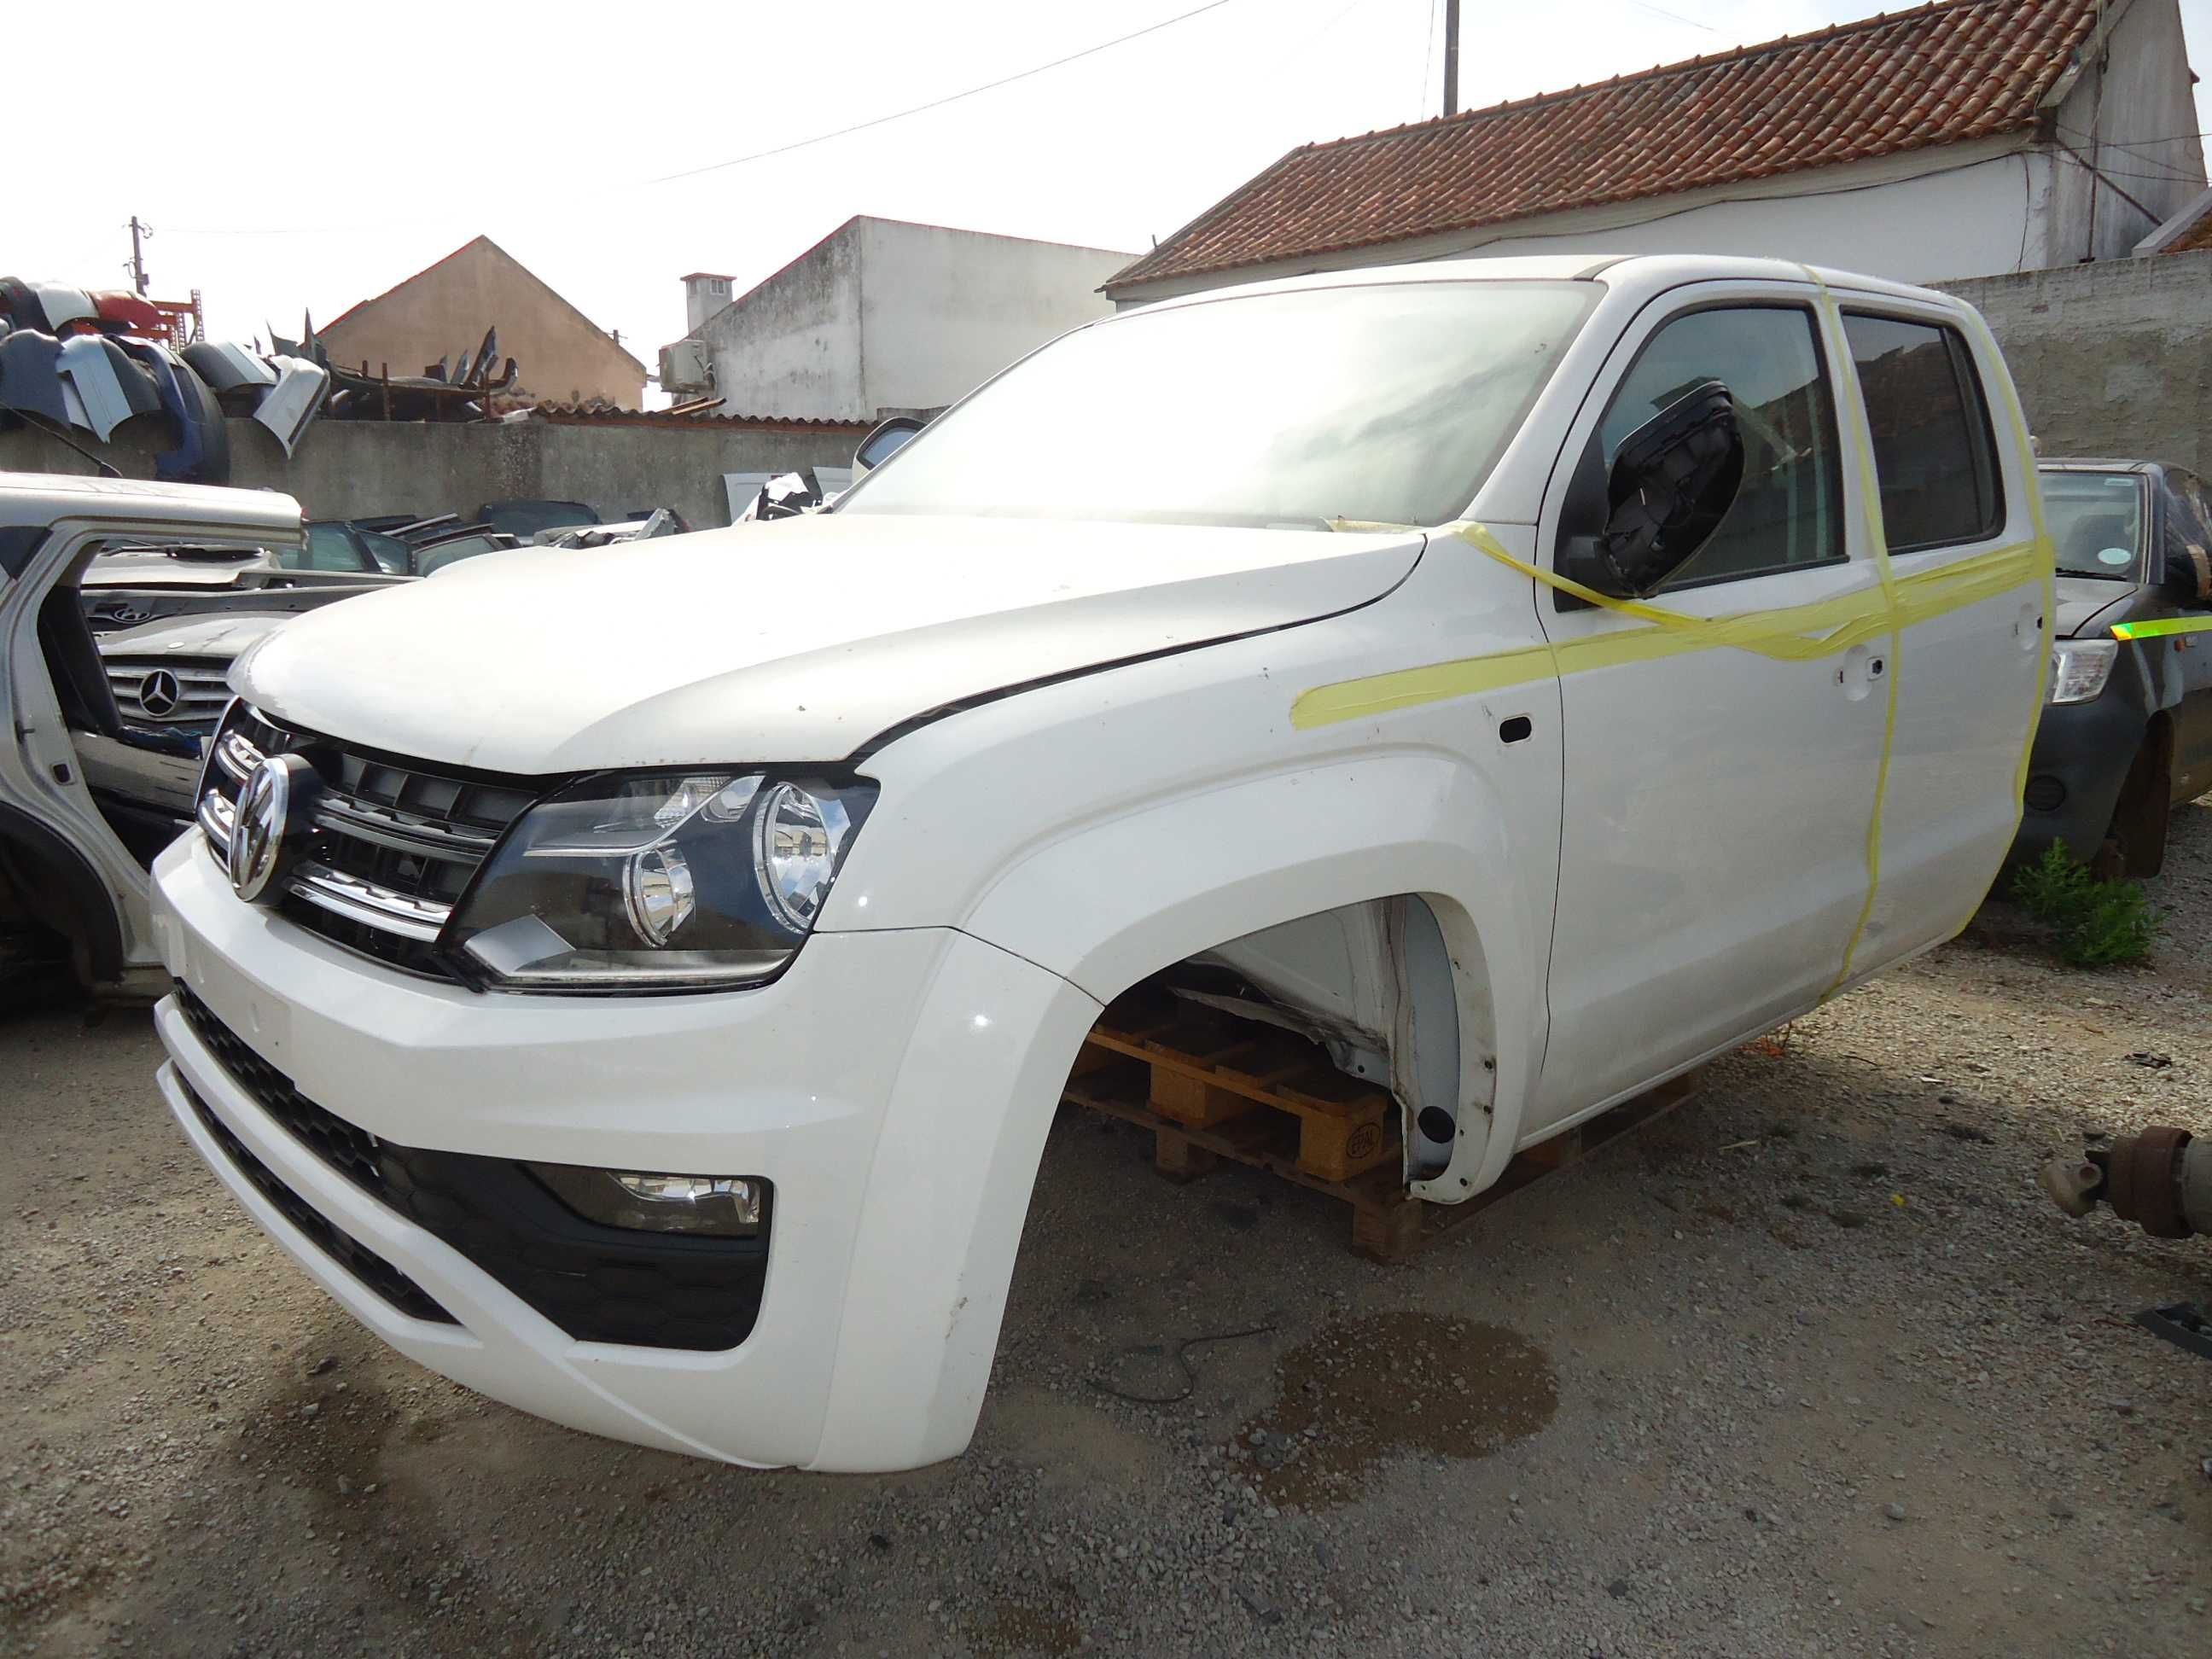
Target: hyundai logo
(159, 694)
(269, 828)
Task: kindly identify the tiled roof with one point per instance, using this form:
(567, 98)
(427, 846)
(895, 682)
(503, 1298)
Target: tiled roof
(1963, 68)
(2197, 235)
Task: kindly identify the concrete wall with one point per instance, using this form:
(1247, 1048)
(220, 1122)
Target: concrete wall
(2112, 359)
(885, 315)
(2131, 114)
(353, 468)
(791, 345)
(560, 354)
(942, 311)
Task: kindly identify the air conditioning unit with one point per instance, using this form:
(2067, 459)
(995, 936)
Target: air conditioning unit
(684, 368)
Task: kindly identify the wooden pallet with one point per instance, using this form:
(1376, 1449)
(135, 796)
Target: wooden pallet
(1211, 1087)
(1208, 1069)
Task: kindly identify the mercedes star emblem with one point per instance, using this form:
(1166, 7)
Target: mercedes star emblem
(159, 694)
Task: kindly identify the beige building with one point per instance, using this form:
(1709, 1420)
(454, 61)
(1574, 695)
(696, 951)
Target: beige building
(444, 309)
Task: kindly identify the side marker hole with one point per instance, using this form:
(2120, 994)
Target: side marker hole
(1515, 730)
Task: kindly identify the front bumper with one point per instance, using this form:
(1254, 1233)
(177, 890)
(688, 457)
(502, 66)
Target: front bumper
(2080, 758)
(894, 1087)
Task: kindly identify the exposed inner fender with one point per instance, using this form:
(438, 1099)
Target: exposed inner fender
(1372, 983)
(1301, 844)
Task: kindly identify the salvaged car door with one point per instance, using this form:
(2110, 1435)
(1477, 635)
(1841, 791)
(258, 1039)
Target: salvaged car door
(1713, 855)
(1952, 485)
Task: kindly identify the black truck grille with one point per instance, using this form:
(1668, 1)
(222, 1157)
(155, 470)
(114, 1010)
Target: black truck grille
(357, 1258)
(599, 1284)
(394, 843)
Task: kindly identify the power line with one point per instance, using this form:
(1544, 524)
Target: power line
(950, 98)
(1673, 17)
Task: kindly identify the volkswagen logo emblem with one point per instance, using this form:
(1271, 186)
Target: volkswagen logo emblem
(159, 694)
(269, 827)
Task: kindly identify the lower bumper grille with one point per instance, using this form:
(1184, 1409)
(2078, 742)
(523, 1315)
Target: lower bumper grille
(357, 1258)
(599, 1284)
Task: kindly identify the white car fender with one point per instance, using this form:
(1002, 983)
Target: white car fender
(1271, 849)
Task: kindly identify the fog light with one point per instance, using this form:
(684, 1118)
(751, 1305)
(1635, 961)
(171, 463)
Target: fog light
(727, 1206)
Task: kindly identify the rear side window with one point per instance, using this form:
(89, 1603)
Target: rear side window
(1933, 451)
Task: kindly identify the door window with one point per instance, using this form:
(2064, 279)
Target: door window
(1788, 513)
(1932, 449)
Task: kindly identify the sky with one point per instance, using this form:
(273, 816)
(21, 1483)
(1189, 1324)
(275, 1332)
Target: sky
(327, 152)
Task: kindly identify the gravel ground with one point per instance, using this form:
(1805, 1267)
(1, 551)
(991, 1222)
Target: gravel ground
(1808, 1367)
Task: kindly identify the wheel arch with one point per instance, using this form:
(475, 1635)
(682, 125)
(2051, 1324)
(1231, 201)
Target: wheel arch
(55, 885)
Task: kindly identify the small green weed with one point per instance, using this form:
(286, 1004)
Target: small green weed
(2098, 923)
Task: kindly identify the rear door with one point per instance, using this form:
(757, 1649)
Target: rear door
(1954, 479)
(1713, 856)
(2185, 531)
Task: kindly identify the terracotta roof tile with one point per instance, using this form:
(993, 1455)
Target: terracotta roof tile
(1957, 70)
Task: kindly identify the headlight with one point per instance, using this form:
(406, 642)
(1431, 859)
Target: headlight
(2079, 668)
(659, 881)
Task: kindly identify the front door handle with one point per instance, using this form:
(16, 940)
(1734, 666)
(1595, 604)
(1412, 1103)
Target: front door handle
(1863, 669)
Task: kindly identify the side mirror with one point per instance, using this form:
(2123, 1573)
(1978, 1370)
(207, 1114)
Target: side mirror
(2188, 577)
(1672, 481)
(884, 442)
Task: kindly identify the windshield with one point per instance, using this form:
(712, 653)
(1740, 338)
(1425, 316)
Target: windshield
(1389, 402)
(2096, 522)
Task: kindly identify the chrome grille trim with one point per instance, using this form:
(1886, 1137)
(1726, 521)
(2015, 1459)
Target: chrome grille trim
(202, 689)
(369, 823)
(365, 902)
(392, 843)
(236, 754)
(216, 815)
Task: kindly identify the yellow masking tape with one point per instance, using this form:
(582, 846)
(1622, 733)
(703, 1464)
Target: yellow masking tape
(1792, 634)
(1877, 538)
(2046, 558)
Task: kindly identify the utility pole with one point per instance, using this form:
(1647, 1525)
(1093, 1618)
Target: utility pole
(138, 254)
(1451, 57)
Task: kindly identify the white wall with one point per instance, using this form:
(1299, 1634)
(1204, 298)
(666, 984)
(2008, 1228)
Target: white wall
(2132, 115)
(943, 310)
(791, 347)
(1964, 211)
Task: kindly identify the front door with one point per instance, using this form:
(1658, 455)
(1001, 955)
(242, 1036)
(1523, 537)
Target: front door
(1713, 856)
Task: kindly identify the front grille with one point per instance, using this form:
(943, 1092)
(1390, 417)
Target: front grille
(599, 1284)
(184, 692)
(394, 843)
(357, 1258)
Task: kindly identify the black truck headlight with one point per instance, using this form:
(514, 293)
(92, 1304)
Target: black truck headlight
(659, 881)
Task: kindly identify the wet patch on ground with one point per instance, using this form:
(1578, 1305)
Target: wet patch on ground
(1361, 1391)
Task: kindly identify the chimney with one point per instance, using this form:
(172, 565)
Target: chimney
(704, 293)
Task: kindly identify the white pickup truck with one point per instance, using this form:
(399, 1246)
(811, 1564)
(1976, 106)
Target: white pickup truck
(639, 985)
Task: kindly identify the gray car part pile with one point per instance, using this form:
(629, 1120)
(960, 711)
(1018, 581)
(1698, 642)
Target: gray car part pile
(95, 361)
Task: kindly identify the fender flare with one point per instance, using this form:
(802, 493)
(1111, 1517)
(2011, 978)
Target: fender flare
(1217, 863)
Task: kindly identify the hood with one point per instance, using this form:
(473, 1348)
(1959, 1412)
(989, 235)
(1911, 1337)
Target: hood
(222, 634)
(2091, 605)
(156, 569)
(798, 640)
